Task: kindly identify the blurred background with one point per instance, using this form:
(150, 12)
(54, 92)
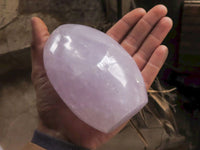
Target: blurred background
(178, 83)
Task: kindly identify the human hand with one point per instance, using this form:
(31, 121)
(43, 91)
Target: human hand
(140, 34)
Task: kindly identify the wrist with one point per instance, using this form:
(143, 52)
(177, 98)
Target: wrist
(45, 142)
(58, 136)
(50, 132)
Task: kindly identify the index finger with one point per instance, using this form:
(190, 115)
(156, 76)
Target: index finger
(125, 24)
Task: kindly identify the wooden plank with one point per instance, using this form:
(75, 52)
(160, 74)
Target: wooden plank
(194, 20)
(190, 29)
(189, 52)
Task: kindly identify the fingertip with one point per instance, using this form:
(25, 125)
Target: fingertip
(140, 10)
(36, 21)
(33, 19)
(160, 9)
(39, 31)
(167, 23)
(163, 51)
(137, 13)
(164, 47)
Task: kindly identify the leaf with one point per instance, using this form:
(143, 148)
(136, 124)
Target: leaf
(162, 102)
(154, 115)
(162, 91)
(142, 115)
(167, 125)
(142, 138)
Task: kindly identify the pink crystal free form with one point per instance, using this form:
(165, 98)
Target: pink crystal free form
(95, 77)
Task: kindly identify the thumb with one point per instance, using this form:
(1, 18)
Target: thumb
(40, 35)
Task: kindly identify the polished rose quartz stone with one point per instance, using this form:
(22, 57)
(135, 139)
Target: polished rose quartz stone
(94, 76)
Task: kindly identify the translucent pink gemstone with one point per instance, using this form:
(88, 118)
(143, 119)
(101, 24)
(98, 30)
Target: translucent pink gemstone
(95, 77)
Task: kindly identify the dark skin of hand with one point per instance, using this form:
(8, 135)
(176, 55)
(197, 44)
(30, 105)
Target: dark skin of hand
(139, 32)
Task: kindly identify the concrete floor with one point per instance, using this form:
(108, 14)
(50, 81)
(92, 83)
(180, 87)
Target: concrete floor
(18, 115)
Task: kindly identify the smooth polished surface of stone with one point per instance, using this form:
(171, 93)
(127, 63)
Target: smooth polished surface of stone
(95, 77)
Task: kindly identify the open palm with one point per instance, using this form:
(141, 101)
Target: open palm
(140, 34)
